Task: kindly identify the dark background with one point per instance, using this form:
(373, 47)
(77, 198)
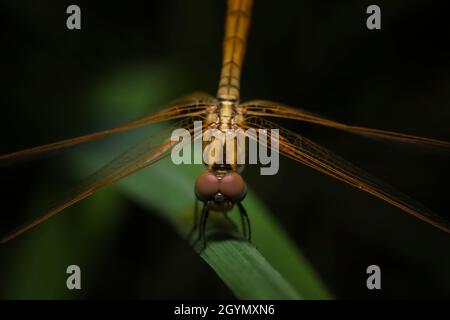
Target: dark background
(317, 55)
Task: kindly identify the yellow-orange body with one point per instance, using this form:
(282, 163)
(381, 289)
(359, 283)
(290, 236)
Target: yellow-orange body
(227, 115)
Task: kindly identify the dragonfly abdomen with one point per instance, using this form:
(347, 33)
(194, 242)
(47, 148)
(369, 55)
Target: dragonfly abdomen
(236, 30)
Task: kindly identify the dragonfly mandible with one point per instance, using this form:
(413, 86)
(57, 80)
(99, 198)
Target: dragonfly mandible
(221, 186)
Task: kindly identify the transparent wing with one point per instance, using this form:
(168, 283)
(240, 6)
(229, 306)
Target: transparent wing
(191, 105)
(144, 154)
(311, 154)
(273, 109)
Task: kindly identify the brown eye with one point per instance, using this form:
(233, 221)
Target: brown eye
(206, 186)
(233, 187)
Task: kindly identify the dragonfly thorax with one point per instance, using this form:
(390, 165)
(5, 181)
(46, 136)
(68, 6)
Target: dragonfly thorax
(226, 114)
(225, 117)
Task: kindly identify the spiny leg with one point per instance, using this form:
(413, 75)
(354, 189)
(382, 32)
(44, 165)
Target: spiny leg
(203, 218)
(245, 222)
(195, 224)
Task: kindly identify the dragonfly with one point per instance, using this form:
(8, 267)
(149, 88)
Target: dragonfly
(221, 186)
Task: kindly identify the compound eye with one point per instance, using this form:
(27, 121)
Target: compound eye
(233, 187)
(206, 186)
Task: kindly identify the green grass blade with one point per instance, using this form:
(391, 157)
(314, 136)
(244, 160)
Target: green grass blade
(246, 272)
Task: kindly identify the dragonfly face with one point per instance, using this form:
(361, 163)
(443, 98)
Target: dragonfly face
(220, 191)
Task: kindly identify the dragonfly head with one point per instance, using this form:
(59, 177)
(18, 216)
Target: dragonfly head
(220, 191)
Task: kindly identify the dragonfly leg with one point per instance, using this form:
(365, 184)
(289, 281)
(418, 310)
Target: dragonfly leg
(245, 222)
(195, 224)
(203, 218)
